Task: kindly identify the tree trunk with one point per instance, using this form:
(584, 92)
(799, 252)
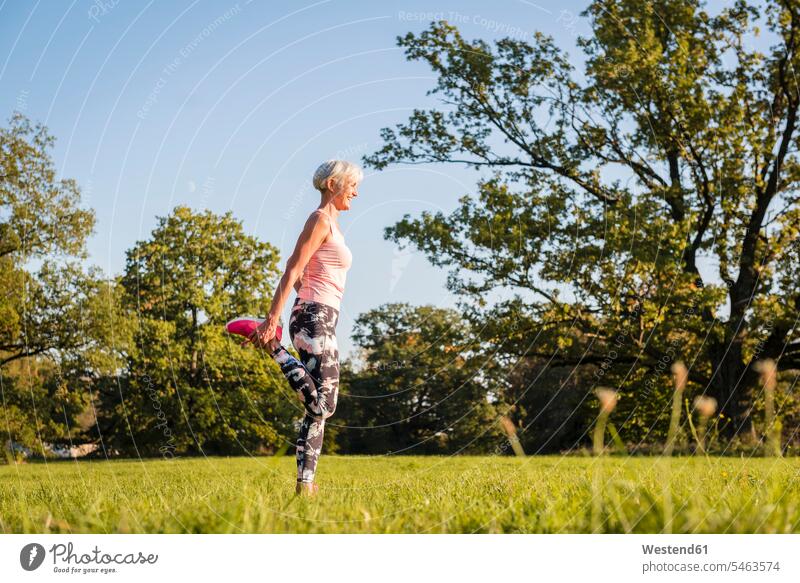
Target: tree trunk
(732, 387)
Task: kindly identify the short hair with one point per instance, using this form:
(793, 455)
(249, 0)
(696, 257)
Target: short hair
(338, 170)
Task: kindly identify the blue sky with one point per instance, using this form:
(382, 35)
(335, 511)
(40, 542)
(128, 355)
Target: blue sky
(231, 106)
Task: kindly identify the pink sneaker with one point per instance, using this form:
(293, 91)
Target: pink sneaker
(245, 326)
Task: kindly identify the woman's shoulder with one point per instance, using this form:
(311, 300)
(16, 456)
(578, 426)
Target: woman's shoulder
(317, 214)
(321, 216)
(320, 219)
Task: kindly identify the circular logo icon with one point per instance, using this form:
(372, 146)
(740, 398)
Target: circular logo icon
(31, 556)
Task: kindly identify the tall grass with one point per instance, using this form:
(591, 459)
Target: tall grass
(680, 375)
(768, 371)
(608, 400)
(705, 407)
(488, 494)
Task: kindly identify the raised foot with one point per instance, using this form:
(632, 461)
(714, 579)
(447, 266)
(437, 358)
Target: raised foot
(246, 325)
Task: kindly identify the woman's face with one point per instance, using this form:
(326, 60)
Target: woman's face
(348, 191)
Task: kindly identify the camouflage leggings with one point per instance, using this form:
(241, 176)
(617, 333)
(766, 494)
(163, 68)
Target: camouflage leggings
(312, 328)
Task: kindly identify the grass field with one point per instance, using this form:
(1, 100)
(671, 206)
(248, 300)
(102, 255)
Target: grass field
(405, 495)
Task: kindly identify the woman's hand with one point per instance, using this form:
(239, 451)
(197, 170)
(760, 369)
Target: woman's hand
(265, 332)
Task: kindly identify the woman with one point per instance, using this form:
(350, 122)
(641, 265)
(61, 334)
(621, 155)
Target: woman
(316, 270)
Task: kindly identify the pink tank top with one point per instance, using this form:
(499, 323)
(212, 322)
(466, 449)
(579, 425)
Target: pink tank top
(324, 275)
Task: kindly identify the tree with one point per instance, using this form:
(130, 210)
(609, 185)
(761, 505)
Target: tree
(40, 408)
(649, 212)
(43, 289)
(41, 222)
(422, 388)
(549, 405)
(186, 386)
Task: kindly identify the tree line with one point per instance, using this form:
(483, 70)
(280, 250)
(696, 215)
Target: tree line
(638, 213)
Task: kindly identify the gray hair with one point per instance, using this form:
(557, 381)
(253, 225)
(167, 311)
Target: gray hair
(338, 170)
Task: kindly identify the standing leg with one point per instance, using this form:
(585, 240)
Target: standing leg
(300, 378)
(309, 447)
(312, 330)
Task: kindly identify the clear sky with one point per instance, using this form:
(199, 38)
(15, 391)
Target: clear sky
(231, 106)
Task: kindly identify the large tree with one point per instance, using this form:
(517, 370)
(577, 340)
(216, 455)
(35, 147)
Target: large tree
(644, 211)
(186, 386)
(44, 291)
(43, 233)
(421, 388)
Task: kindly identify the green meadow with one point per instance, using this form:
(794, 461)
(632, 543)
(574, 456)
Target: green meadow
(486, 494)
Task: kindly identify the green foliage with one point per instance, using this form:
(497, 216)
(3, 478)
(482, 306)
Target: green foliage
(678, 146)
(186, 386)
(422, 387)
(550, 406)
(43, 290)
(41, 216)
(41, 407)
(41, 220)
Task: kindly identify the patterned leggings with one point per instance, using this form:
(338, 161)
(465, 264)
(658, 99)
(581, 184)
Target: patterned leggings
(312, 328)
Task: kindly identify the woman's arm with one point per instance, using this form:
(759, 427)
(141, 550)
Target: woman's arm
(314, 232)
